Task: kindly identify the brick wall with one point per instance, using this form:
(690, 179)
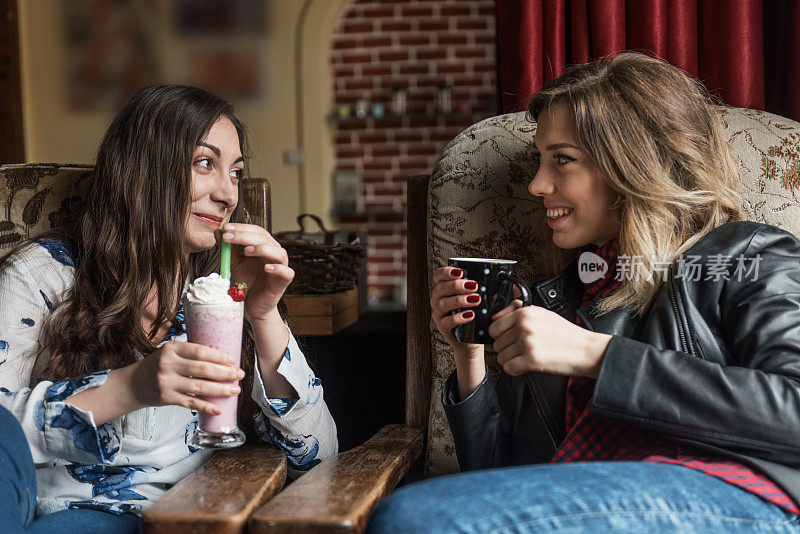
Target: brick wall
(420, 45)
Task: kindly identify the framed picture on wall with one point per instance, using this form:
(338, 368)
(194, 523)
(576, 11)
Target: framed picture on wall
(110, 51)
(232, 72)
(215, 17)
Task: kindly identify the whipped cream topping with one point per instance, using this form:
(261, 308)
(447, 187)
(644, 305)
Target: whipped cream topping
(211, 289)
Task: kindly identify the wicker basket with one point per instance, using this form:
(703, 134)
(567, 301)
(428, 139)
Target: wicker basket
(323, 262)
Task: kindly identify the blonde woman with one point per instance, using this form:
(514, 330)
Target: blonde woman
(669, 402)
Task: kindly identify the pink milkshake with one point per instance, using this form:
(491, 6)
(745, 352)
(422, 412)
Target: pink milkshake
(214, 319)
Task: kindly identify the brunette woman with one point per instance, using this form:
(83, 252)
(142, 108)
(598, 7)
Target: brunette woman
(96, 367)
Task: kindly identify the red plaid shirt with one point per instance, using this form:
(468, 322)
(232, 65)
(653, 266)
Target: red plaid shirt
(590, 439)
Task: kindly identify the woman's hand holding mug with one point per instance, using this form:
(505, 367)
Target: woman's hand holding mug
(464, 297)
(533, 338)
(452, 292)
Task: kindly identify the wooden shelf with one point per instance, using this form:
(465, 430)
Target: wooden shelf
(370, 216)
(414, 116)
(322, 314)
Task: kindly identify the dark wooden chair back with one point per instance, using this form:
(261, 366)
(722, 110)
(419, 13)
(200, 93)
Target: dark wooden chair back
(418, 340)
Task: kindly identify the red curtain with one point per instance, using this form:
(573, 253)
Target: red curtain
(747, 52)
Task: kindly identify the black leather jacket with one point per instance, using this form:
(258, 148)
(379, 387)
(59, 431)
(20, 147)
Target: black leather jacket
(714, 363)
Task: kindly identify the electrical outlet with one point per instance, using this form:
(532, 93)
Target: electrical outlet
(293, 157)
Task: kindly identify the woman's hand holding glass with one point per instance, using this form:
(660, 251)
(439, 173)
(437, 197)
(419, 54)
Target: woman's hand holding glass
(175, 374)
(178, 373)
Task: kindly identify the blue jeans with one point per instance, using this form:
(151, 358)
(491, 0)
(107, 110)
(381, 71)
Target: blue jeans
(18, 494)
(587, 497)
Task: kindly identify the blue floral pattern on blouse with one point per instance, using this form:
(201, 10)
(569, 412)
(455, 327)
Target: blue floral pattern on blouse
(38, 415)
(46, 300)
(116, 508)
(111, 482)
(101, 442)
(58, 250)
(174, 331)
(301, 451)
(60, 391)
(282, 406)
(191, 428)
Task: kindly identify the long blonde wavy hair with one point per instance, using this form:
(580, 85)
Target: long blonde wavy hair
(655, 135)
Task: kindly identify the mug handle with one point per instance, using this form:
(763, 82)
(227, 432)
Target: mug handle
(527, 298)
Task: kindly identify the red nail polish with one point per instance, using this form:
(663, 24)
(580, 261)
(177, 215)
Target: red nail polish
(473, 299)
(472, 286)
(468, 315)
(456, 272)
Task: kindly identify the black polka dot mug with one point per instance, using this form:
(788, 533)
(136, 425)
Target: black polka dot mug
(496, 280)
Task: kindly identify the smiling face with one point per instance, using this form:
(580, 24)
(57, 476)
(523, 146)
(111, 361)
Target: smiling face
(567, 178)
(217, 167)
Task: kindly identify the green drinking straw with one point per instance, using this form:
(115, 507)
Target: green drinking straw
(225, 263)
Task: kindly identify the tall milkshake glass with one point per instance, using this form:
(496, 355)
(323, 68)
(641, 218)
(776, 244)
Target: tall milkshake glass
(217, 325)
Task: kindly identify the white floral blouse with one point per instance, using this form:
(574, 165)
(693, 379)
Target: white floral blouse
(126, 464)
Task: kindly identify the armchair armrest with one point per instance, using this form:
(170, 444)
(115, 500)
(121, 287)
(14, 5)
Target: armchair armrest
(339, 494)
(221, 494)
(257, 199)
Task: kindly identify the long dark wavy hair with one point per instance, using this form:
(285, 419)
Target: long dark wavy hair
(130, 235)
